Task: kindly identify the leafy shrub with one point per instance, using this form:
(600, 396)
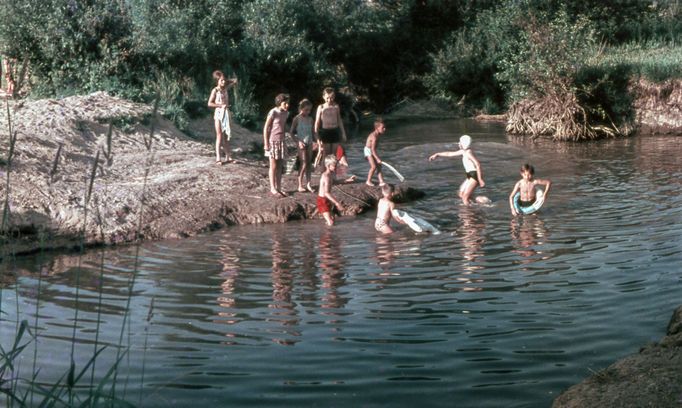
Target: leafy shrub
(548, 56)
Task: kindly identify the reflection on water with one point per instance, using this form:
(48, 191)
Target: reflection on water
(496, 311)
(528, 233)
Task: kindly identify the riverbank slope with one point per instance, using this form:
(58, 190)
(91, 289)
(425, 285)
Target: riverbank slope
(69, 184)
(650, 378)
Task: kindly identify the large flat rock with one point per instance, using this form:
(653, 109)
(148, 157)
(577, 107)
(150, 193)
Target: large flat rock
(166, 186)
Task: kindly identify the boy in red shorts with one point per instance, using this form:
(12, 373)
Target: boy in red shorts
(324, 195)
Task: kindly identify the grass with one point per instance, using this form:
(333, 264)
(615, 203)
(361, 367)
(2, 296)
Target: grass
(655, 61)
(78, 386)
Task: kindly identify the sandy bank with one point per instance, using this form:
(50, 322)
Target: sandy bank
(164, 187)
(650, 378)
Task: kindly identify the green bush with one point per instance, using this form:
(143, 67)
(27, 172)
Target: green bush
(548, 56)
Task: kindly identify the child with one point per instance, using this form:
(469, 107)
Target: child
(302, 130)
(324, 196)
(221, 117)
(472, 168)
(273, 142)
(328, 123)
(526, 186)
(370, 152)
(385, 211)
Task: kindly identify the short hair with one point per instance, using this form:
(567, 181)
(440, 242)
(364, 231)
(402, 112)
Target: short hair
(218, 74)
(378, 121)
(281, 98)
(328, 91)
(527, 167)
(387, 189)
(329, 160)
(304, 103)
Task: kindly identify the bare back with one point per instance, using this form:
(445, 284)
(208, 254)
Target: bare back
(384, 210)
(326, 181)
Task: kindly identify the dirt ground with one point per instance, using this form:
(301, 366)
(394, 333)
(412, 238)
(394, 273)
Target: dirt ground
(650, 378)
(141, 187)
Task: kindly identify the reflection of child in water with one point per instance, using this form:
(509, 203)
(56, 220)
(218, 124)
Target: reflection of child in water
(526, 188)
(472, 168)
(385, 211)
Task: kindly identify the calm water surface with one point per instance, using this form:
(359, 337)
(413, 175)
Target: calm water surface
(495, 312)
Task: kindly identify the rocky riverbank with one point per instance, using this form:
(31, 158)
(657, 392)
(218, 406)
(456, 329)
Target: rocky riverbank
(68, 183)
(650, 378)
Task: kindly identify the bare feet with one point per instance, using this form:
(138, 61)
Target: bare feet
(310, 188)
(301, 189)
(218, 163)
(369, 183)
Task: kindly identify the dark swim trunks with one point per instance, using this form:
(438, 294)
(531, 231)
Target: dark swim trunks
(472, 175)
(332, 135)
(323, 205)
(526, 203)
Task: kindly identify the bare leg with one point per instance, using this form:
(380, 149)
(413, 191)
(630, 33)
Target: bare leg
(272, 173)
(218, 140)
(380, 175)
(468, 188)
(372, 169)
(308, 166)
(303, 158)
(386, 229)
(328, 149)
(328, 218)
(279, 168)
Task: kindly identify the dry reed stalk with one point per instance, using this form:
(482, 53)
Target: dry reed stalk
(560, 116)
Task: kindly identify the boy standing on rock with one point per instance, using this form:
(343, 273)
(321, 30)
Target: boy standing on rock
(370, 152)
(324, 196)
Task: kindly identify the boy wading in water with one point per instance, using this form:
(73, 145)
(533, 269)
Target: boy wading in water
(526, 187)
(472, 169)
(324, 196)
(370, 152)
(385, 211)
(219, 100)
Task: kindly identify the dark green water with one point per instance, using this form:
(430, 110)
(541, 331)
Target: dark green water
(495, 312)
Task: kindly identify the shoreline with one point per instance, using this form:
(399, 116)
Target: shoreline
(650, 378)
(141, 188)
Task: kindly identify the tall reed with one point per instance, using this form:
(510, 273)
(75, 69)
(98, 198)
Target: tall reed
(21, 390)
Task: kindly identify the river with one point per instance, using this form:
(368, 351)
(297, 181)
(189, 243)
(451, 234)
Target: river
(497, 311)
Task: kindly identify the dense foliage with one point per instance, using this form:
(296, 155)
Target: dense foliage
(481, 54)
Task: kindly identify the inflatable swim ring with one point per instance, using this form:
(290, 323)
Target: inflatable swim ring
(415, 223)
(539, 200)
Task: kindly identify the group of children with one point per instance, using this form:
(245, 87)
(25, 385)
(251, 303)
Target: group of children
(327, 132)
(526, 187)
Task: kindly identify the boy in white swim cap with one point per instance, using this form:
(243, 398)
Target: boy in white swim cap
(472, 168)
